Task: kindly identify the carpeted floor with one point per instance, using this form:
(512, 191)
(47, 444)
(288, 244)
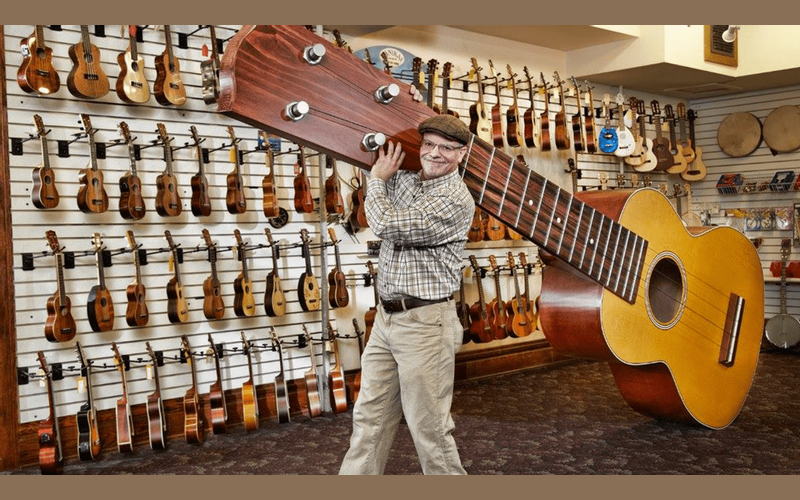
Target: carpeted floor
(568, 419)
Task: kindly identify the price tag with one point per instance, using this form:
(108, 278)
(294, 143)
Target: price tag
(421, 77)
(435, 80)
(205, 50)
(296, 169)
(42, 374)
(209, 353)
(233, 155)
(471, 73)
(149, 372)
(81, 382)
(508, 84)
(467, 272)
(171, 263)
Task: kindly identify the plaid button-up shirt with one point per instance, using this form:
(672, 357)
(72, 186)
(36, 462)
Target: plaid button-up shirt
(423, 225)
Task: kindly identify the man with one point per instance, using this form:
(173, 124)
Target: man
(408, 364)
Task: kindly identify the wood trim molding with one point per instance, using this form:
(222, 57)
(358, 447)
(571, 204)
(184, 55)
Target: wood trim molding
(9, 410)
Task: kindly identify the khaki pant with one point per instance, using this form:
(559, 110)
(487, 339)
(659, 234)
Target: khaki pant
(407, 369)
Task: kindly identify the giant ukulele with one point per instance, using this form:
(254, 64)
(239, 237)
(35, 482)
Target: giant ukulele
(625, 281)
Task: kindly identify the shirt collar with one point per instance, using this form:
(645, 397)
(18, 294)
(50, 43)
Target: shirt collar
(435, 183)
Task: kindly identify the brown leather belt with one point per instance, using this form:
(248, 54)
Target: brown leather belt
(393, 306)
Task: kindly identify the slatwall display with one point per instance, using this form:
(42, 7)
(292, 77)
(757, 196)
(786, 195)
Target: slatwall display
(74, 228)
(760, 166)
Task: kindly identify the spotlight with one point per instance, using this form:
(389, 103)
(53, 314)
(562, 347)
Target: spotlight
(730, 34)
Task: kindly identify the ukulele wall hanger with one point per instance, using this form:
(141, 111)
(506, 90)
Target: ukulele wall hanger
(183, 38)
(17, 142)
(137, 148)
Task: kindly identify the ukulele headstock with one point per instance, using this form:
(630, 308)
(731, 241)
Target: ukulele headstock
(87, 124)
(654, 106)
(131, 240)
(195, 135)
(97, 242)
(37, 121)
(52, 240)
(268, 234)
(207, 238)
(125, 132)
(669, 112)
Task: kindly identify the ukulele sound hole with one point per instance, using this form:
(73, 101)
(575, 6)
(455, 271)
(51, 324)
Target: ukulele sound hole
(666, 292)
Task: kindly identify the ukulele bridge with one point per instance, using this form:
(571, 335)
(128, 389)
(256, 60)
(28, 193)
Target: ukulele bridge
(730, 334)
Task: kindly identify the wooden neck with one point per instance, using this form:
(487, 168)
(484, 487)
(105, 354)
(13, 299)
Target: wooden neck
(212, 256)
(200, 165)
(132, 159)
(175, 264)
(249, 362)
(170, 57)
(45, 152)
(93, 151)
(243, 255)
(168, 156)
(40, 36)
(308, 258)
(62, 296)
(134, 49)
(101, 276)
(480, 290)
(87, 46)
(214, 52)
(137, 266)
(480, 92)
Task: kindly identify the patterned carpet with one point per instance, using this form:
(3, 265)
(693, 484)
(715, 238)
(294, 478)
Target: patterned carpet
(568, 419)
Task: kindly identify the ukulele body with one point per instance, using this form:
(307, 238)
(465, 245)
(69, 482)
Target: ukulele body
(60, 325)
(44, 193)
(136, 314)
(132, 86)
(84, 83)
(92, 196)
(168, 87)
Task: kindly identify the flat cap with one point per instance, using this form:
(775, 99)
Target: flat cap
(448, 126)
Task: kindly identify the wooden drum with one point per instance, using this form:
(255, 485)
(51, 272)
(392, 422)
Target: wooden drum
(782, 129)
(739, 134)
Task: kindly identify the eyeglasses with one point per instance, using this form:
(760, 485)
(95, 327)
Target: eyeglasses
(443, 148)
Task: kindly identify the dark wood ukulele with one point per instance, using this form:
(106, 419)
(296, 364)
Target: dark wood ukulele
(274, 298)
(303, 201)
(544, 119)
(685, 142)
(168, 87)
(131, 202)
(86, 419)
(336, 377)
(156, 417)
(124, 417)
(562, 138)
(697, 169)
(136, 313)
(372, 312)
(99, 305)
(310, 377)
(235, 199)
(177, 308)
(281, 392)
(44, 193)
(664, 158)
(216, 396)
(679, 163)
(497, 305)
(92, 197)
(168, 200)
(433, 66)
(531, 310)
(193, 423)
(519, 324)
(213, 304)
(209, 69)
(588, 120)
(446, 83)
(201, 202)
(577, 122)
(357, 378)
(132, 86)
(513, 123)
(249, 395)
(60, 325)
(462, 308)
(532, 128)
(477, 229)
(51, 456)
(338, 295)
(334, 204)
(87, 79)
(481, 317)
(36, 74)
(358, 216)
(497, 115)
(243, 303)
(268, 185)
(308, 287)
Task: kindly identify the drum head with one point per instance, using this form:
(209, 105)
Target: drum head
(782, 129)
(739, 134)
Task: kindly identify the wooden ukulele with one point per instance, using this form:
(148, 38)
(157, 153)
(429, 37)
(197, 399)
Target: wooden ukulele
(562, 138)
(281, 392)
(481, 317)
(87, 79)
(44, 193)
(303, 201)
(518, 324)
(243, 303)
(626, 143)
(372, 312)
(99, 305)
(334, 204)
(513, 123)
(336, 377)
(680, 163)
(131, 202)
(209, 69)
(497, 306)
(544, 119)
(156, 417)
(136, 313)
(357, 378)
(532, 128)
(92, 197)
(36, 74)
(446, 83)
(216, 396)
(201, 202)
(235, 198)
(168, 200)
(358, 216)
(307, 286)
(697, 169)
(193, 423)
(60, 325)
(588, 121)
(480, 120)
(177, 309)
(124, 417)
(664, 158)
(462, 308)
(168, 87)
(647, 160)
(51, 456)
(417, 76)
(433, 66)
(213, 304)
(636, 155)
(577, 121)
(685, 143)
(132, 86)
(249, 395)
(274, 298)
(497, 115)
(338, 295)
(495, 230)
(310, 377)
(268, 185)
(477, 229)
(86, 419)
(530, 309)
